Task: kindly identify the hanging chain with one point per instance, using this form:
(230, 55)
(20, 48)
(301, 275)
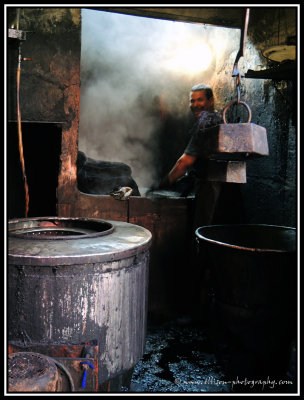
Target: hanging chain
(238, 87)
(236, 73)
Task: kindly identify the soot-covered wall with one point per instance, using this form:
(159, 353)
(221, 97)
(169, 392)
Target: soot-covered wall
(49, 103)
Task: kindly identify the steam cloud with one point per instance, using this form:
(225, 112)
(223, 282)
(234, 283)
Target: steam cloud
(128, 84)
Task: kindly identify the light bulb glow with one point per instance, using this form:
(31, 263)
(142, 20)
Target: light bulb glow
(191, 59)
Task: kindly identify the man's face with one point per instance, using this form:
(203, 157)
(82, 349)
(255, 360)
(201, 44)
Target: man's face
(199, 103)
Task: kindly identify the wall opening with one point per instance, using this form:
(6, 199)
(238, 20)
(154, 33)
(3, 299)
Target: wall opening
(136, 74)
(42, 148)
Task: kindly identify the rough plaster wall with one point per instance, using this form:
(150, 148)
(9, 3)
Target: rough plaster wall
(50, 82)
(269, 196)
(53, 45)
(271, 190)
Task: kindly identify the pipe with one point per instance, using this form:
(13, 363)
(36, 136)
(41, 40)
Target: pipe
(17, 18)
(20, 133)
(242, 43)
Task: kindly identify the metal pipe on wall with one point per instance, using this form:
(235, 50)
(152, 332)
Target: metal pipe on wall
(20, 133)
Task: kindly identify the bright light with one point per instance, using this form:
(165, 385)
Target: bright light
(192, 59)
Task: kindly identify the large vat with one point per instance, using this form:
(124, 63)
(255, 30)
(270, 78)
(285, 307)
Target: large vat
(72, 280)
(254, 282)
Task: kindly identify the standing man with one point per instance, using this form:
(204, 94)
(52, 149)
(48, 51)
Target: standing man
(201, 104)
(207, 193)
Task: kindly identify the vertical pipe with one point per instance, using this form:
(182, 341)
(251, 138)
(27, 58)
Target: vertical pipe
(20, 133)
(240, 53)
(17, 18)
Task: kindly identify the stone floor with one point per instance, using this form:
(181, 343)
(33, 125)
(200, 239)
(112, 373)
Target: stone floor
(184, 356)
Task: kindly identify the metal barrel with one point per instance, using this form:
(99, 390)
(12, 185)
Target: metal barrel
(253, 271)
(73, 280)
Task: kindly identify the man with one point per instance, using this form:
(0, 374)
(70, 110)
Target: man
(206, 193)
(193, 162)
(202, 106)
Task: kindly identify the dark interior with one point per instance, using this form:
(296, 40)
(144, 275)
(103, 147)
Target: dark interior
(194, 338)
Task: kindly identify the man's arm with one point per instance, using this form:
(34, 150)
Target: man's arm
(180, 168)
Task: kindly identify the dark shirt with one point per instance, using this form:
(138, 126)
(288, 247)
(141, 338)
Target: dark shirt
(205, 121)
(195, 146)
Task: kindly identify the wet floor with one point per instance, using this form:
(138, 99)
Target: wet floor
(184, 356)
(178, 358)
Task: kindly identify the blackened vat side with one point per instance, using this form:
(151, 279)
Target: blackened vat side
(254, 282)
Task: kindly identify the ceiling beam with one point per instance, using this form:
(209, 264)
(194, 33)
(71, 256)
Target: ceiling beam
(230, 17)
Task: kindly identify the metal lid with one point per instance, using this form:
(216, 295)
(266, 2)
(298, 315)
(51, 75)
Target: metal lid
(31, 372)
(280, 53)
(82, 240)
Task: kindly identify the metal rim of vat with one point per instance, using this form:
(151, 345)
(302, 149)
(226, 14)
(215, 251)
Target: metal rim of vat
(115, 240)
(258, 227)
(55, 228)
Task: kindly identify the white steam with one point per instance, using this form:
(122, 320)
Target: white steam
(133, 74)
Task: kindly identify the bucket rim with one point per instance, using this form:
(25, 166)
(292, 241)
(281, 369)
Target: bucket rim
(253, 249)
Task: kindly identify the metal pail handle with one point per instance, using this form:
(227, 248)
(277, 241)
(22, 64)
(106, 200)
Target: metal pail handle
(237, 102)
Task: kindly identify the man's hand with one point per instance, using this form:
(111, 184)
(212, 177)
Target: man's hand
(163, 184)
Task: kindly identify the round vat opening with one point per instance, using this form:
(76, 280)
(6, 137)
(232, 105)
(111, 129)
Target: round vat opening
(59, 228)
(269, 238)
